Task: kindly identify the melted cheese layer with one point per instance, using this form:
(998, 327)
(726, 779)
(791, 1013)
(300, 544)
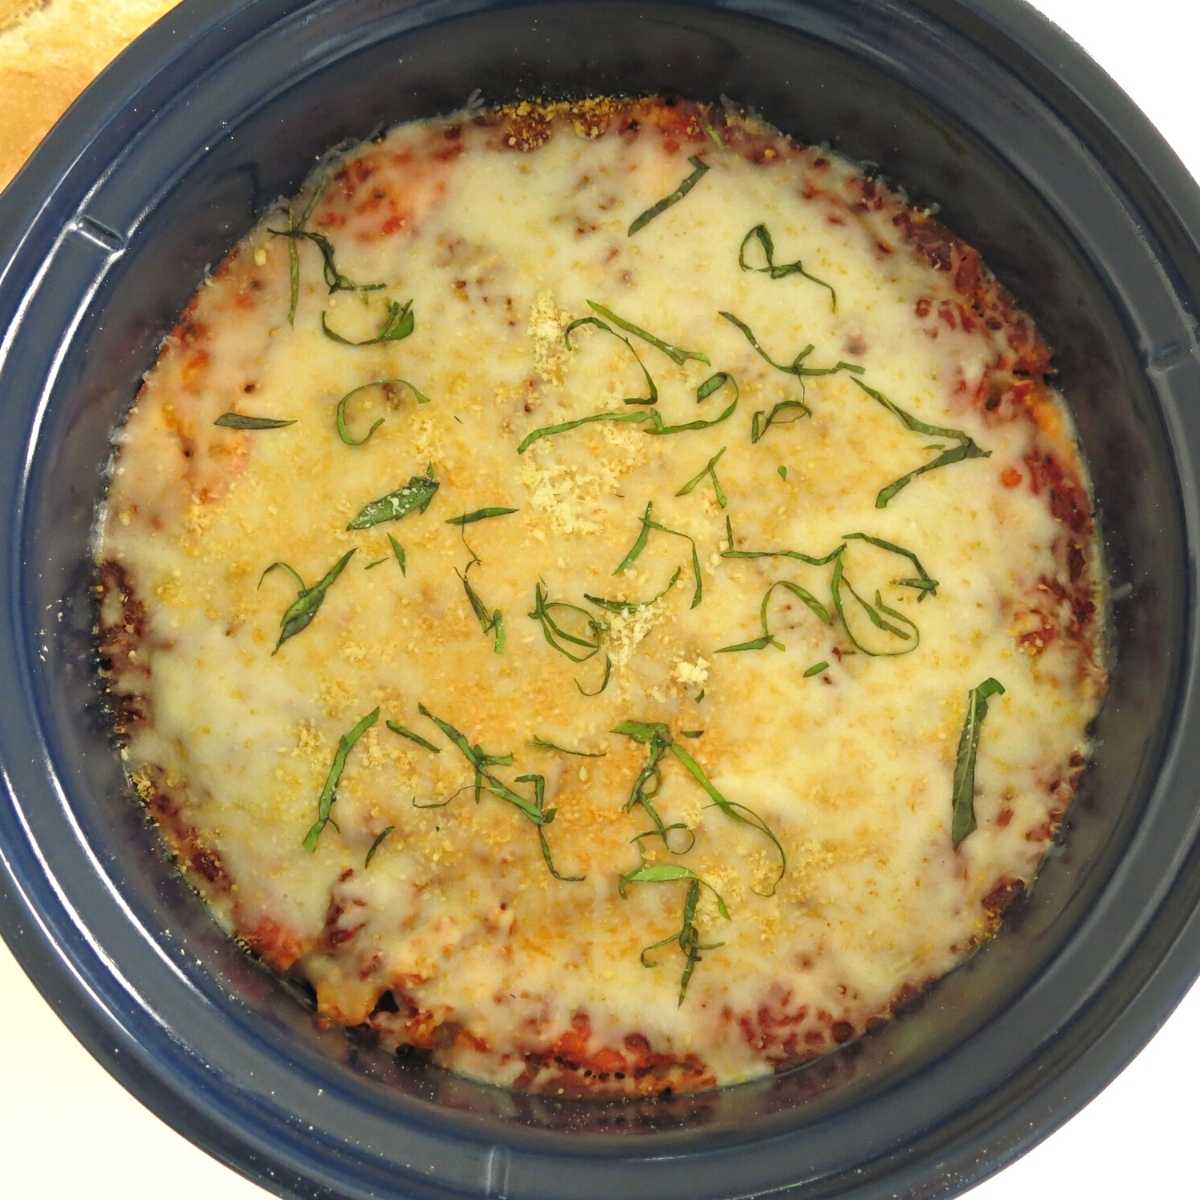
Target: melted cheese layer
(502, 970)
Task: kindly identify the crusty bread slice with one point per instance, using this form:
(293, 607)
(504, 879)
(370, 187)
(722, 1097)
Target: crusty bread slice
(51, 51)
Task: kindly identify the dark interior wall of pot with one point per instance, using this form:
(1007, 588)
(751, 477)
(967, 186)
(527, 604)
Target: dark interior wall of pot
(871, 107)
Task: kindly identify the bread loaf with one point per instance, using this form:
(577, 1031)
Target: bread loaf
(51, 51)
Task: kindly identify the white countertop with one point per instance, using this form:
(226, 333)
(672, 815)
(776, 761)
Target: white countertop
(70, 1131)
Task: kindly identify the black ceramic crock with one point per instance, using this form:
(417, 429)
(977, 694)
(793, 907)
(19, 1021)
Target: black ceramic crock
(1035, 157)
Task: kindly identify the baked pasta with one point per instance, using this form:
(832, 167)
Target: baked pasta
(605, 594)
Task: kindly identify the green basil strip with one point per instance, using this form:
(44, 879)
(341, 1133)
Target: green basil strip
(293, 272)
(539, 795)
(415, 496)
(490, 622)
(648, 784)
(700, 167)
(924, 583)
(626, 606)
(404, 732)
(397, 325)
(329, 791)
(761, 643)
(480, 514)
(542, 744)
(876, 613)
(709, 469)
(811, 560)
(963, 798)
(603, 681)
(816, 669)
(759, 425)
(782, 472)
(732, 809)
(965, 449)
(533, 808)
(232, 420)
(376, 844)
(479, 760)
(658, 738)
(294, 228)
(555, 635)
(648, 523)
(398, 552)
(712, 384)
(650, 419)
(688, 936)
(652, 398)
(376, 563)
(334, 279)
(781, 270)
(675, 353)
(303, 609)
(616, 415)
(667, 873)
(796, 367)
(290, 570)
(340, 413)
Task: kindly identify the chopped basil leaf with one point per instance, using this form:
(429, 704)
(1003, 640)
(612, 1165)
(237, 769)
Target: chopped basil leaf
(376, 563)
(542, 744)
(232, 420)
(674, 353)
(767, 639)
(625, 606)
(397, 325)
(376, 844)
(415, 496)
(963, 798)
(480, 514)
(334, 279)
(782, 472)
(688, 936)
(566, 426)
(400, 556)
(533, 808)
(603, 680)
(650, 419)
(879, 614)
(556, 635)
(700, 167)
(710, 470)
(587, 636)
(667, 873)
(296, 228)
(490, 622)
(329, 791)
(924, 583)
(658, 737)
(648, 784)
(648, 523)
(539, 790)
(816, 669)
(812, 561)
(965, 449)
(796, 367)
(404, 732)
(652, 397)
(340, 412)
(781, 270)
(876, 613)
(303, 609)
(759, 425)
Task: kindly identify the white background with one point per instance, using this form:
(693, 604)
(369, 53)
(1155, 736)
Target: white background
(68, 1130)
